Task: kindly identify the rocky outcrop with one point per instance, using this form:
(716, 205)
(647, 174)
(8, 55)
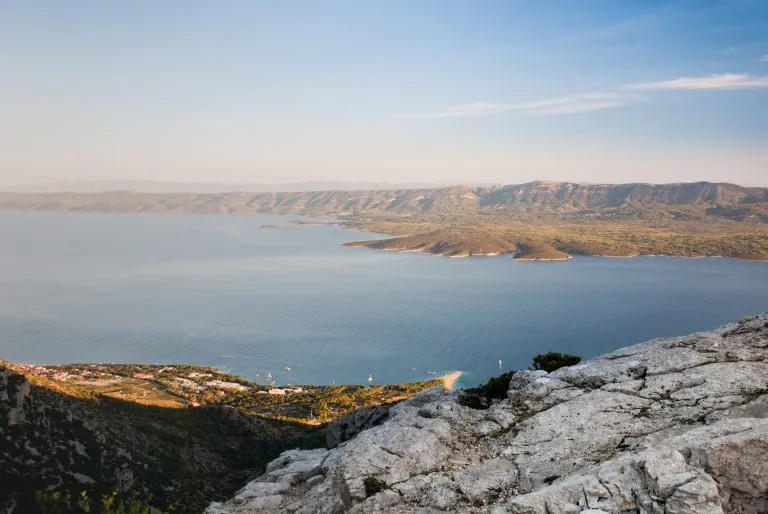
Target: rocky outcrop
(14, 390)
(349, 425)
(676, 425)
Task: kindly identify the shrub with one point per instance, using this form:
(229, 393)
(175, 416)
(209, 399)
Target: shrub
(551, 361)
(482, 396)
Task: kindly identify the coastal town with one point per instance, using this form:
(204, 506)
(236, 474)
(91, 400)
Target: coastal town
(178, 385)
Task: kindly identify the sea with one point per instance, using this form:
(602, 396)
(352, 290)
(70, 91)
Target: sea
(293, 303)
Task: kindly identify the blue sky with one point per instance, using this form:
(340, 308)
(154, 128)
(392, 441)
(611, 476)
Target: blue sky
(439, 90)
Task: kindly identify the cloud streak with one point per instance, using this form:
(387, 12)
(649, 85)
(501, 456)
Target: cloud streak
(716, 81)
(764, 58)
(579, 103)
(548, 107)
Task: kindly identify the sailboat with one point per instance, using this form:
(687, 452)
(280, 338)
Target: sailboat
(370, 378)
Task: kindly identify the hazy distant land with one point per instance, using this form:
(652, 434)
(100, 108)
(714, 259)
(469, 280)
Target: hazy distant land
(152, 186)
(533, 221)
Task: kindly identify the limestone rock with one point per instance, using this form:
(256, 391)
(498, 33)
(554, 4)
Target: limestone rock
(677, 425)
(349, 425)
(487, 481)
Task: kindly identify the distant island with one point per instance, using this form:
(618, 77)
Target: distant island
(533, 221)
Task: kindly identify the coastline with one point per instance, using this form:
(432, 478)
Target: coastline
(435, 248)
(525, 257)
(727, 242)
(449, 380)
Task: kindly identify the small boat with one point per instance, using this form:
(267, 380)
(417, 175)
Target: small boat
(287, 368)
(370, 378)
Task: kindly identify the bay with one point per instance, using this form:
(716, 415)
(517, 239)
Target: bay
(221, 291)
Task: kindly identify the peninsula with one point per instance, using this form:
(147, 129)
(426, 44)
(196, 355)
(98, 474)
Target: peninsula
(556, 239)
(533, 221)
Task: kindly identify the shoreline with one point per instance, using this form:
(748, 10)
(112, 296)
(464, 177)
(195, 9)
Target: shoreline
(544, 259)
(370, 245)
(358, 226)
(449, 380)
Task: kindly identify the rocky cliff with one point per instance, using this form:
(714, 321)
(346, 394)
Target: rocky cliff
(676, 425)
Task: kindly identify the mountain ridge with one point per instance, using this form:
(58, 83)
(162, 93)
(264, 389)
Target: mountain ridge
(696, 200)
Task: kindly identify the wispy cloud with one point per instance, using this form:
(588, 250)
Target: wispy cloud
(574, 104)
(548, 107)
(764, 58)
(717, 81)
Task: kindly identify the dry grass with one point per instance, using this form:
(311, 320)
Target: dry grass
(143, 392)
(479, 235)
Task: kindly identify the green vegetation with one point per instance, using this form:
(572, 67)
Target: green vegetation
(180, 385)
(321, 403)
(108, 503)
(552, 361)
(482, 396)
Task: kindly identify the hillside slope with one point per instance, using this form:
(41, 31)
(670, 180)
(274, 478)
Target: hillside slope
(677, 425)
(62, 439)
(131, 429)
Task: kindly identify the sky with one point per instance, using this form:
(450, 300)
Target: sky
(384, 90)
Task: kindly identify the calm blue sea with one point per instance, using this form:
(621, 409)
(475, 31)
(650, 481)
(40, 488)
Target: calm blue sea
(220, 291)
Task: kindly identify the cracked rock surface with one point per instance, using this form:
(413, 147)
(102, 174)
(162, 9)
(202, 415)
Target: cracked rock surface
(677, 425)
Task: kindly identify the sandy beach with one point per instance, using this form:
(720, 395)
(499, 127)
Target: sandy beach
(450, 379)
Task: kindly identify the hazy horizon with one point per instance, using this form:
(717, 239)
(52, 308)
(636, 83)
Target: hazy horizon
(398, 92)
(171, 187)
